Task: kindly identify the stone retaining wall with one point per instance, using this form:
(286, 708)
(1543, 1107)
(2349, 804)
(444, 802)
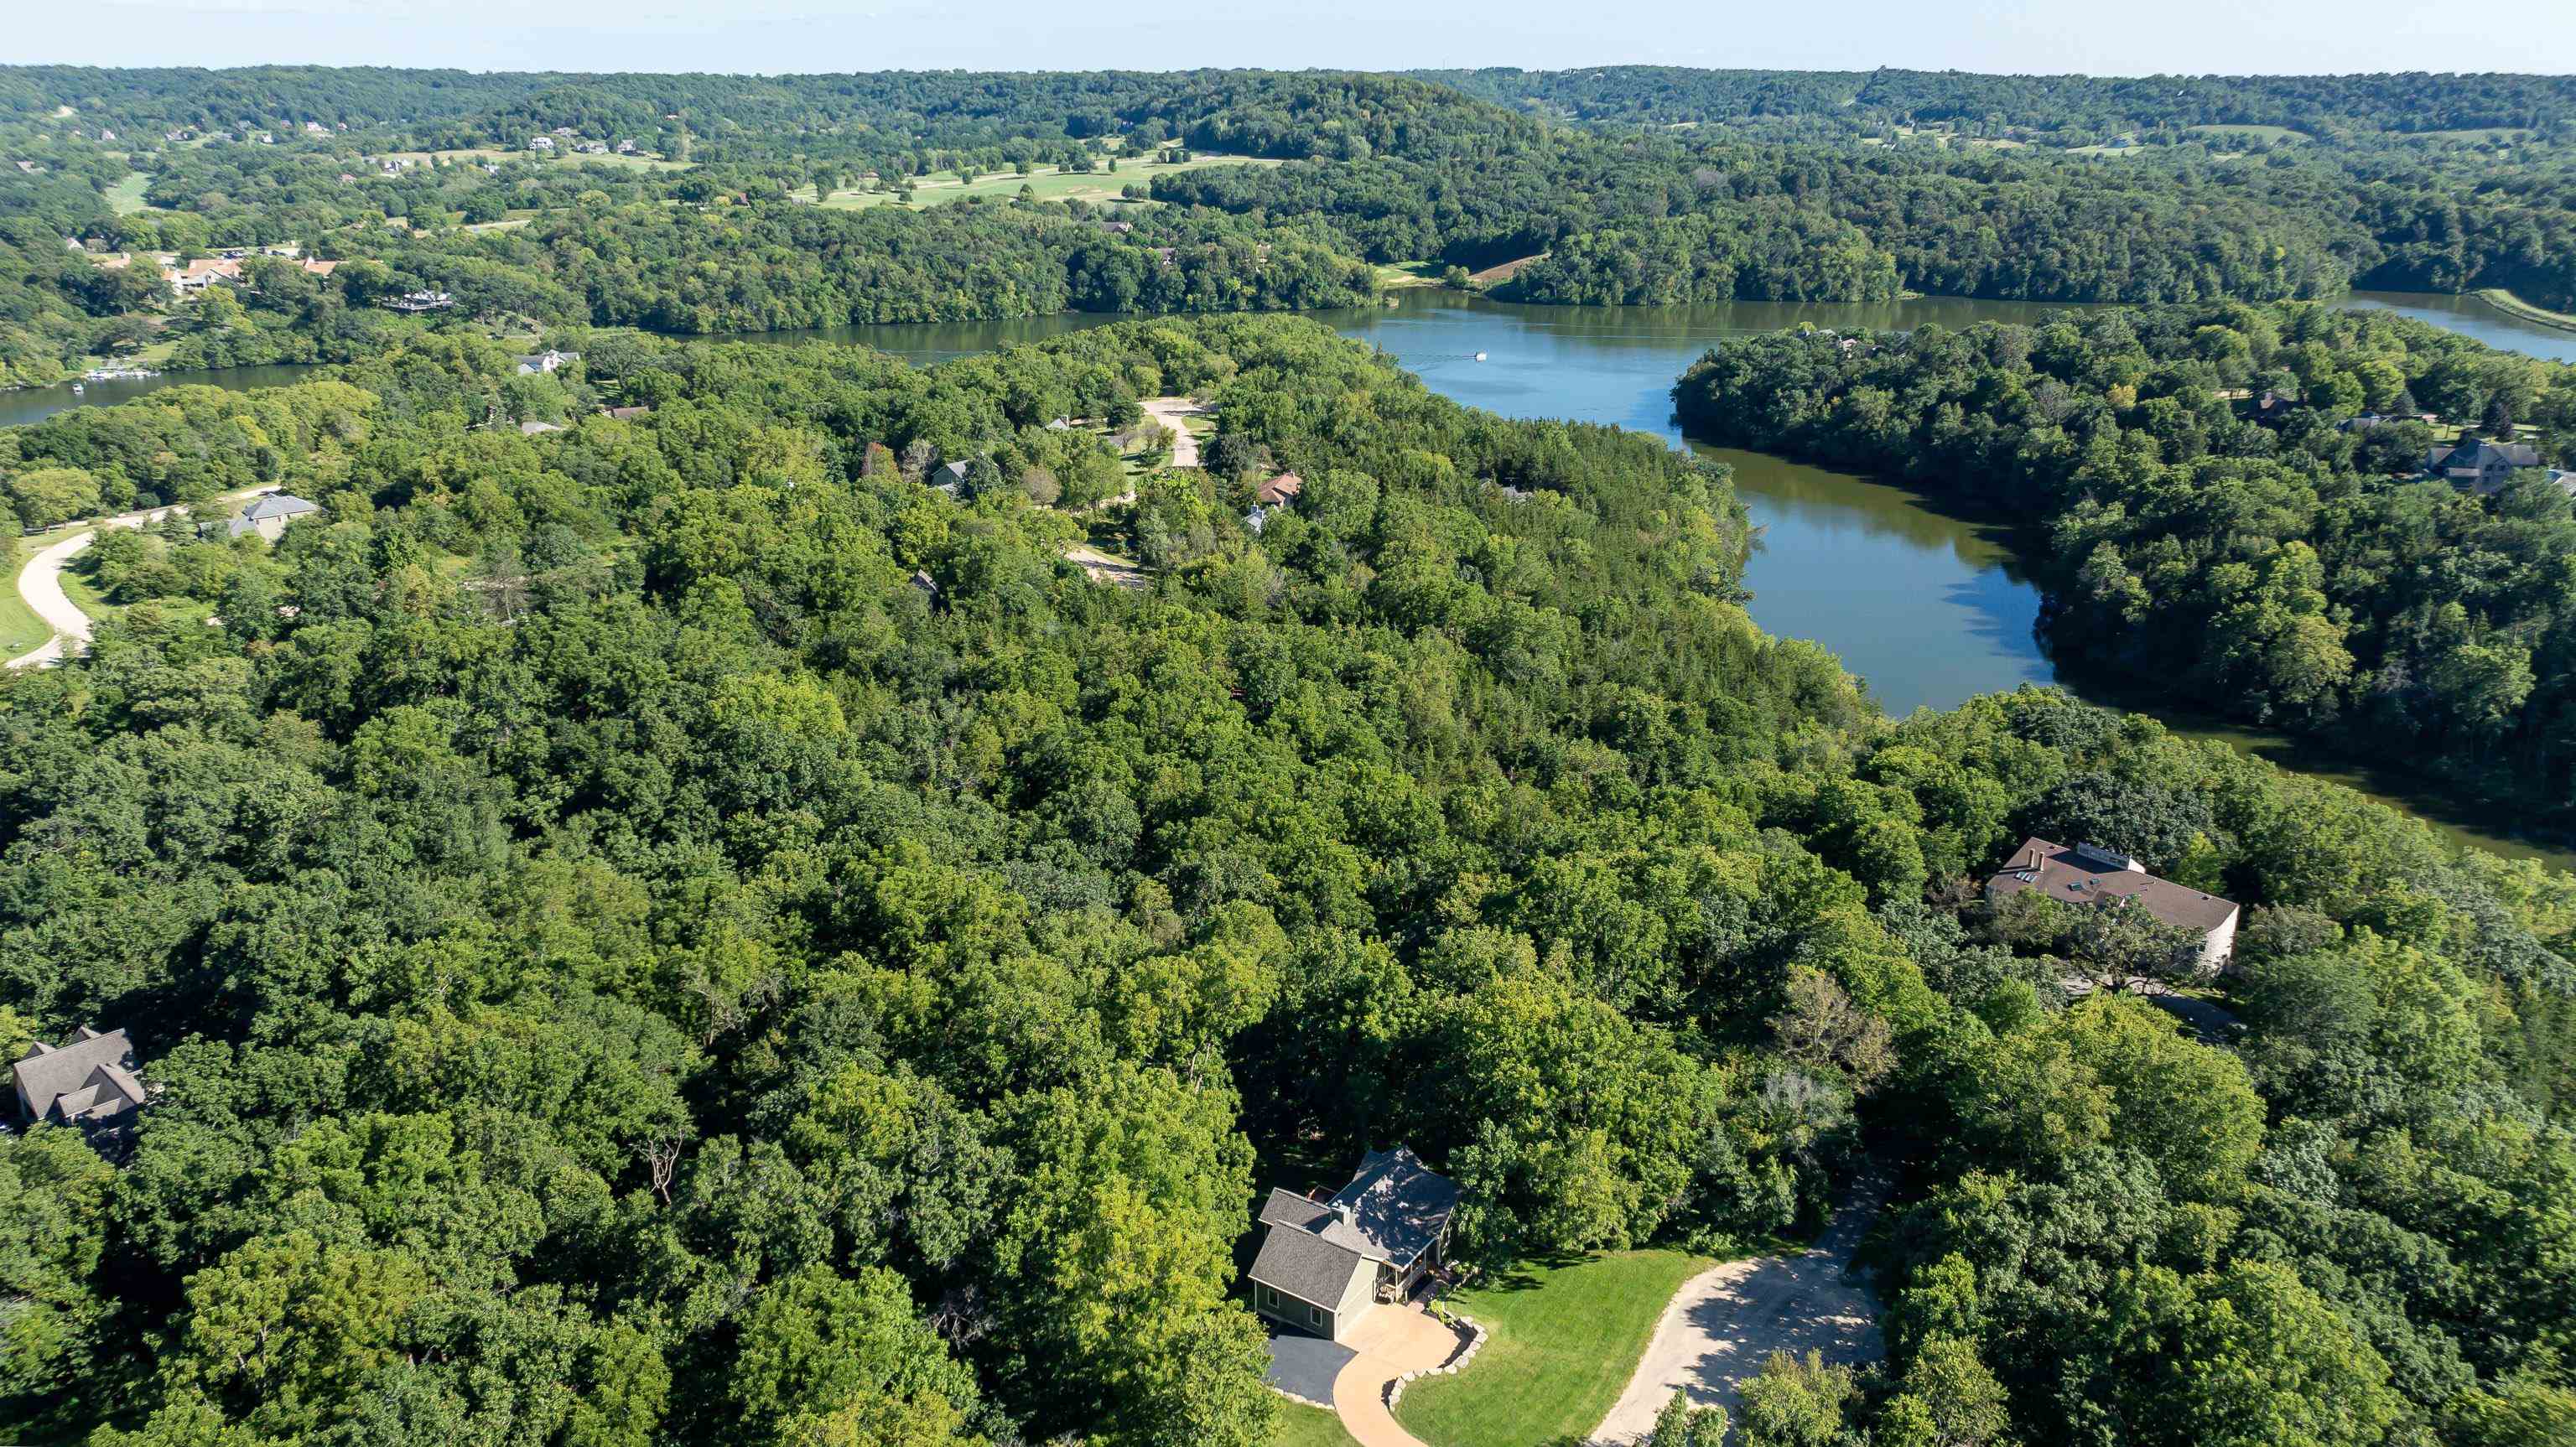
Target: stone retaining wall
(1456, 1364)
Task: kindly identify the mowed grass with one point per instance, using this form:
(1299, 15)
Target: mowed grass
(20, 628)
(1564, 1341)
(1304, 1426)
(126, 196)
(1045, 183)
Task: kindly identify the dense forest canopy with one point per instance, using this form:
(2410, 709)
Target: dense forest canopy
(676, 930)
(2237, 502)
(1624, 185)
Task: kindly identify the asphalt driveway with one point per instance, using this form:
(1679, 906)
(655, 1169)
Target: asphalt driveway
(1304, 1366)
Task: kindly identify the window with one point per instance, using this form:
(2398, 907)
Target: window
(1270, 1297)
(1315, 1316)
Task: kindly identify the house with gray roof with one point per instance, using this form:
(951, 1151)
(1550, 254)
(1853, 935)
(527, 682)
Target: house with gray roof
(2093, 874)
(88, 1082)
(1326, 1263)
(266, 516)
(2480, 465)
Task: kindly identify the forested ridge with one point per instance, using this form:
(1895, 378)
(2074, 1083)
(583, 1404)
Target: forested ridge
(673, 930)
(2297, 569)
(1628, 185)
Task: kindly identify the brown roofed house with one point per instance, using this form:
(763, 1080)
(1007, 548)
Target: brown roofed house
(88, 1082)
(2093, 874)
(1326, 1263)
(1278, 490)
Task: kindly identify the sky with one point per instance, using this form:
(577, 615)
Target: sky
(2231, 37)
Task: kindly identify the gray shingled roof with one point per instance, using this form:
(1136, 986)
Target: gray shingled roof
(1287, 1208)
(279, 505)
(1396, 1206)
(1306, 1266)
(2074, 876)
(95, 1073)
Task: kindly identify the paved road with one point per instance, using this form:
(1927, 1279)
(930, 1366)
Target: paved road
(41, 583)
(1169, 411)
(1725, 1322)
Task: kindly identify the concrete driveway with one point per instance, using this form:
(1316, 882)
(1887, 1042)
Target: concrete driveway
(1387, 1343)
(1725, 1322)
(41, 584)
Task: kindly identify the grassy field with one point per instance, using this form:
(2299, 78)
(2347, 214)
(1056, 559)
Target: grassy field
(126, 196)
(1564, 1341)
(1045, 183)
(2484, 133)
(1304, 1426)
(1409, 273)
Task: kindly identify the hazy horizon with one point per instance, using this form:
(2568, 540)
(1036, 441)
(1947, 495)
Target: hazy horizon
(771, 37)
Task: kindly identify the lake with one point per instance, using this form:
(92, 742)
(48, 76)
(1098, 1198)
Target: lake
(1928, 607)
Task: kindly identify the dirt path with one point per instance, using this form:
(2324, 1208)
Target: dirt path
(41, 583)
(1106, 569)
(1726, 1321)
(1169, 411)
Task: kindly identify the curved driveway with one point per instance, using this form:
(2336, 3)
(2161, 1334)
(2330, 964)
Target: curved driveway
(1725, 1322)
(41, 582)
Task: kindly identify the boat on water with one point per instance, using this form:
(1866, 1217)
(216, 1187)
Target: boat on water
(77, 388)
(1480, 356)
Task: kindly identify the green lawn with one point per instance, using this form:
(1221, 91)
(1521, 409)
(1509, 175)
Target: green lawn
(1045, 183)
(2511, 305)
(20, 628)
(1564, 1341)
(1409, 273)
(126, 196)
(1304, 1426)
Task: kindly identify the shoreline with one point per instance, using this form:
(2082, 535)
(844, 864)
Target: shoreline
(2515, 307)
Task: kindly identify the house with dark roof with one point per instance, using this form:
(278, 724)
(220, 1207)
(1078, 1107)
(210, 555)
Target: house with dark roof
(1325, 1264)
(88, 1082)
(2091, 874)
(2479, 465)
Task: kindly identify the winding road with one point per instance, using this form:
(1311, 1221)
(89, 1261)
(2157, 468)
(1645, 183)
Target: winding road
(41, 581)
(1725, 1322)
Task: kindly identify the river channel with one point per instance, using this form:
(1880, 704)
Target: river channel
(1930, 608)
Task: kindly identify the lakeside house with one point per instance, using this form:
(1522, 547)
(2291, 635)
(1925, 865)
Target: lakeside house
(1278, 491)
(421, 301)
(2479, 465)
(541, 143)
(1325, 1264)
(546, 361)
(89, 1082)
(2093, 874)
